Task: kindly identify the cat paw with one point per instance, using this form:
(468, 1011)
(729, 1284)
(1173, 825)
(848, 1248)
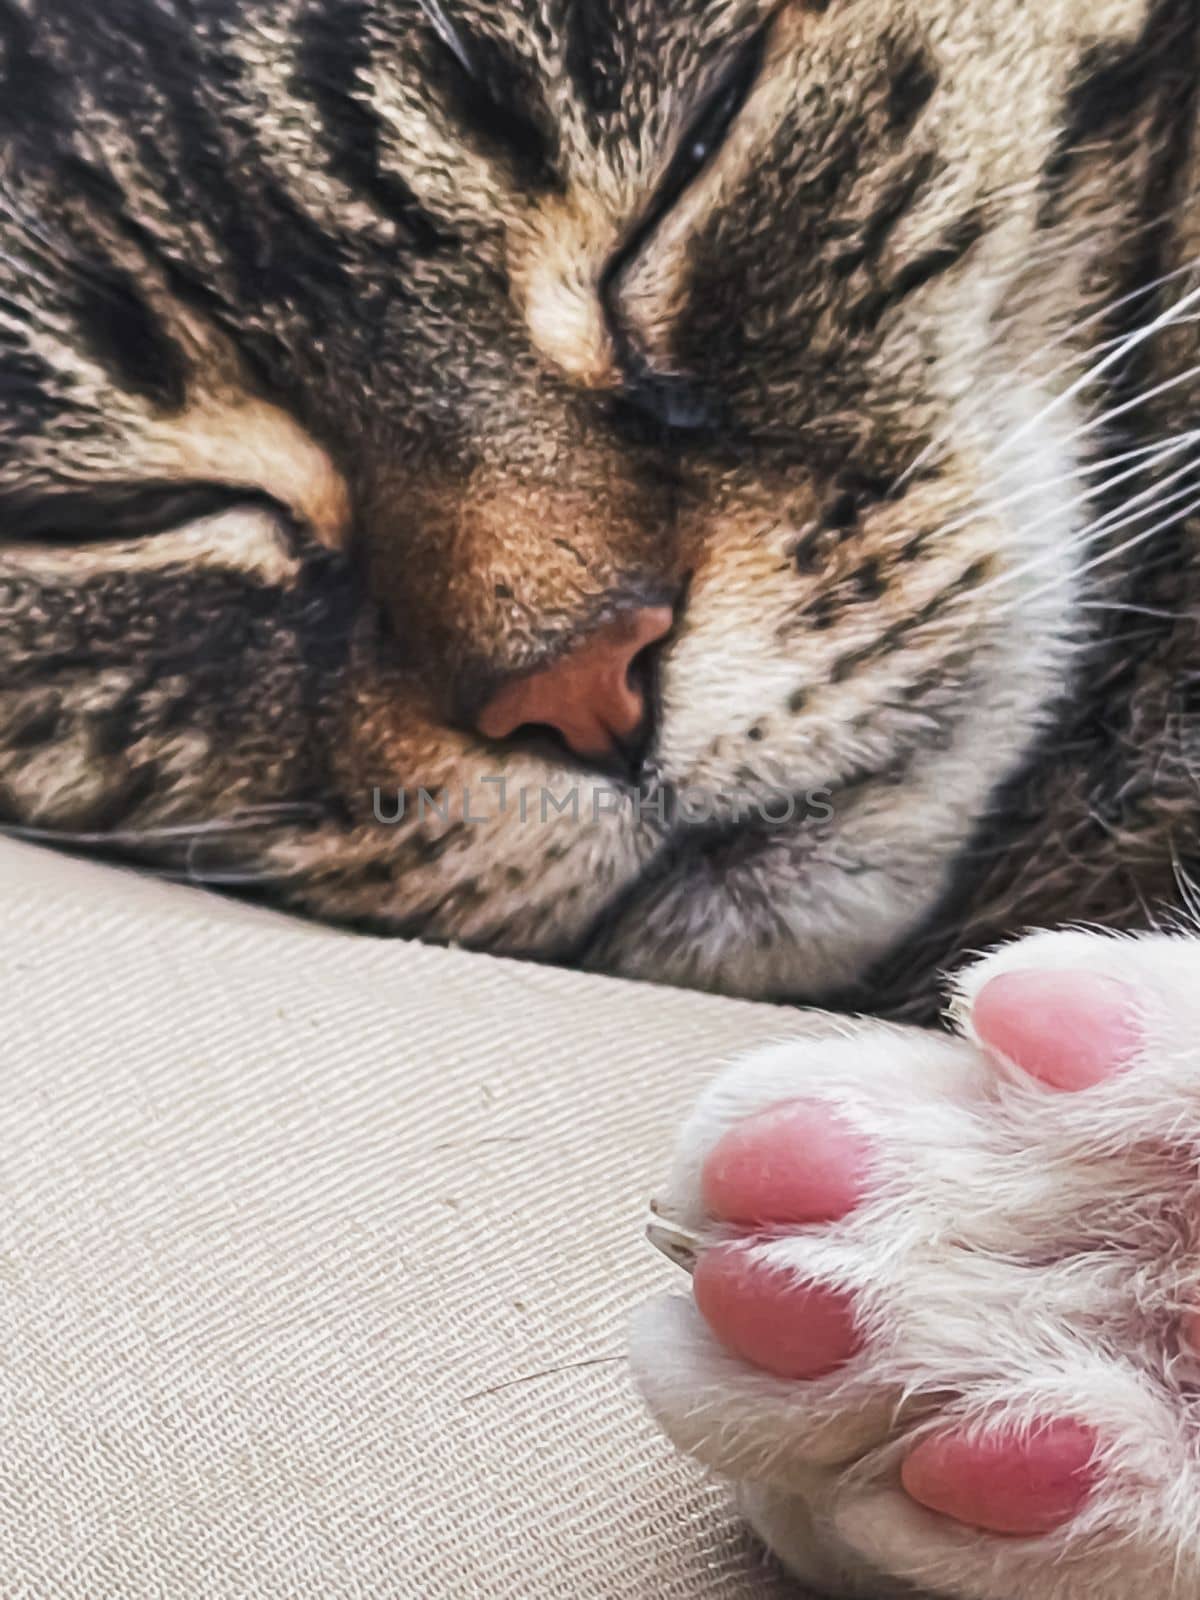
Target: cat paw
(944, 1323)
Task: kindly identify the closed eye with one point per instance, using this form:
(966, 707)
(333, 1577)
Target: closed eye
(702, 138)
(709, 126)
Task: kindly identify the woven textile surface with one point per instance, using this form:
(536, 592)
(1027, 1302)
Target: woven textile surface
(316, 1259)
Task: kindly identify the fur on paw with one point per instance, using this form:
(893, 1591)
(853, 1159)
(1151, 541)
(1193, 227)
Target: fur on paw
(944, 1325)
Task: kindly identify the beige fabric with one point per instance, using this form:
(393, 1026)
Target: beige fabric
(316, 1256)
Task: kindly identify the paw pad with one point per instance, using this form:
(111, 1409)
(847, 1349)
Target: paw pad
(1003, 1482)
(1071, 1030)
(794, 1163)
(786, 1326)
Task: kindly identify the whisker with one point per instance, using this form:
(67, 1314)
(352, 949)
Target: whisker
(225, 880)
(1129, 544)
(1112, 522)
(1145, 457)
(1117, 350)
(259, 817)
(1130, 608)
(1026, 368)
(1147, 533)
(1165, 319)
(1106, 417)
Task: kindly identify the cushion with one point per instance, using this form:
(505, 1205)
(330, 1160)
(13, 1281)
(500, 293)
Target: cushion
(316, 1258)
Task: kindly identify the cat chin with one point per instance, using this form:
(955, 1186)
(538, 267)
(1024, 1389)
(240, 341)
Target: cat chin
(794, 915)
(805, 961)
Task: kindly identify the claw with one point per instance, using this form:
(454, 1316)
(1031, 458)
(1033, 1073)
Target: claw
(680, 1245)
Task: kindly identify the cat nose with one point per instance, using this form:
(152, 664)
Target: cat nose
(591, 695)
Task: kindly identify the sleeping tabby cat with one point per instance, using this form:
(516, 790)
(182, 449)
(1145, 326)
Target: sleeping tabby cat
(706, 490)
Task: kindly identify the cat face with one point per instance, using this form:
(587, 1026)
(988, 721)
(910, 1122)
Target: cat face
(701, 368)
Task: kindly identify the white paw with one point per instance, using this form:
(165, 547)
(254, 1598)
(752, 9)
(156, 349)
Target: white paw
(943, 1329)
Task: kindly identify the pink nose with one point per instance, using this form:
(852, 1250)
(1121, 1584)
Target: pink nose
(587, 694)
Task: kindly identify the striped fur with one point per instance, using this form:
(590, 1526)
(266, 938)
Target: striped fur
(355, 353)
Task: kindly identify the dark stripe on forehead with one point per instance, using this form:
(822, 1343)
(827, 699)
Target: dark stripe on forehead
(125, 334)
(955, 244)
(27, 83)
(273, 248)
(332, 54)
(29, 400)
(592, 54)
(116, 323)
(1113, 83)
(162, 92)
(223, 230)
(497, 101)
(912, 81)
